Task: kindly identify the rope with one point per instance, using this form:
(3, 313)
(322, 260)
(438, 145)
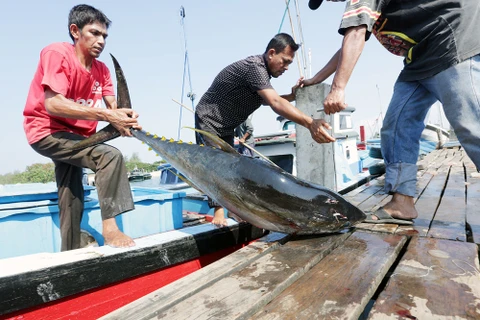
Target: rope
(283, 18)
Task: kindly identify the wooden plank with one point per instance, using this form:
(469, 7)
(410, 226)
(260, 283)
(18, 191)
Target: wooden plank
(164, 298)
(20, 291)
(423, 180)
(449, 221)
(430, 159)
(380, 227)
(366, 193)
(435, 279)
(450, 217)
(243, 293)
(375, 201)
(371, 184)
(473, 180)
(473, 199)
(473, 218)
(436, 186)
(341, 285)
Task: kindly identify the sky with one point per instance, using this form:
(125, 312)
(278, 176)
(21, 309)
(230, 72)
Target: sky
(148, 39)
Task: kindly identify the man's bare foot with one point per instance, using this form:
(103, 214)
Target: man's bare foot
(219, 217)
(401, 207)
(113, 237)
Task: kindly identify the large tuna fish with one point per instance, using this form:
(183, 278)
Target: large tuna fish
(258, 192)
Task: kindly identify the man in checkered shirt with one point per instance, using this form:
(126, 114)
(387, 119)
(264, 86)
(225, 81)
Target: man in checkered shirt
(241, 88)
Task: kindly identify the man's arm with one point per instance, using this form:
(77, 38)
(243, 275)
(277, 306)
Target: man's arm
(325, 72)
(352, 47)
(122, 119)
(291, 96)
(317, 127)
(245, 137)
(110, 102)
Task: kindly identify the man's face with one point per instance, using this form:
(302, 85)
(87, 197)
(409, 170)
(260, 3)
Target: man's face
(278, 62)
(91, 39)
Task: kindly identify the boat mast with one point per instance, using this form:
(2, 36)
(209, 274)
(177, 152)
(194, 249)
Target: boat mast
(302, 40)
(379, 121)
(301, 55)
(186, 73)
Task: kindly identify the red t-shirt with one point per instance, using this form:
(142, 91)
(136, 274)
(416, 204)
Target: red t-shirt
(60, 70)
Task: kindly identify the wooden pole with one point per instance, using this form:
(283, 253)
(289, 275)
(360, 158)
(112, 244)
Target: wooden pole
(181, 104)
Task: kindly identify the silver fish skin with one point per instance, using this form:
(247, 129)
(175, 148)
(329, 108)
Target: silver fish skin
(258, 192)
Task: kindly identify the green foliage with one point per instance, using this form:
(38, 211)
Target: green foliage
(38, 172)
(135, 162)
(45, 172)
(12, 178)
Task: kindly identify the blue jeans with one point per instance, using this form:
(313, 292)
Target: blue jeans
(458, 89)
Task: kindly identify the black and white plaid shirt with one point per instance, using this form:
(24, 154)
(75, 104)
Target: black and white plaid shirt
(233, 96)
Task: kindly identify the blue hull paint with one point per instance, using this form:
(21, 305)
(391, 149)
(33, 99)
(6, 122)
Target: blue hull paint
(32, 225)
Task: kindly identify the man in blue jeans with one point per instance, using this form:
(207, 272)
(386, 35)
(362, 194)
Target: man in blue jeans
(440, 45)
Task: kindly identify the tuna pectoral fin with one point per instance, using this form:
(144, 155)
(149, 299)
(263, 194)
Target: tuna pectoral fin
(107, 133)
(219, 142)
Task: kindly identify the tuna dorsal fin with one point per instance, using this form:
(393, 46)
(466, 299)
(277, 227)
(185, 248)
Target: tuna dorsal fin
(219, 142)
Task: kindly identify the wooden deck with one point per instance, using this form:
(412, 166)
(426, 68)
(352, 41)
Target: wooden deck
(426, 271)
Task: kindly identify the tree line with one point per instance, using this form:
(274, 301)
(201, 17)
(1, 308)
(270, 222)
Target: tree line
(45, 172)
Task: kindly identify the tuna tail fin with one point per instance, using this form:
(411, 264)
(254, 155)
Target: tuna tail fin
(219, 142)
(107, 133)
(123, 101)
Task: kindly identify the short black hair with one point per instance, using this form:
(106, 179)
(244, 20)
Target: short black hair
(83, 14)
(280, 42)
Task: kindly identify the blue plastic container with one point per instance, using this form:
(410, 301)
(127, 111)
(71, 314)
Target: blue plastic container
(12, 193)
(29, 227)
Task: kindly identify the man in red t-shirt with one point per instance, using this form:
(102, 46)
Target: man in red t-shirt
(63, 106)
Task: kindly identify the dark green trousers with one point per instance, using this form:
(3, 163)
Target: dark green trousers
(111, 181)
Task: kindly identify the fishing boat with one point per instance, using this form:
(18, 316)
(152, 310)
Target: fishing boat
(351, 164)
(39, 282)
(138, 175)
(171, 178)
(436, 135)
(433, 137)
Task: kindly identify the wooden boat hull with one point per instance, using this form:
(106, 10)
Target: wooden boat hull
(89, 288)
